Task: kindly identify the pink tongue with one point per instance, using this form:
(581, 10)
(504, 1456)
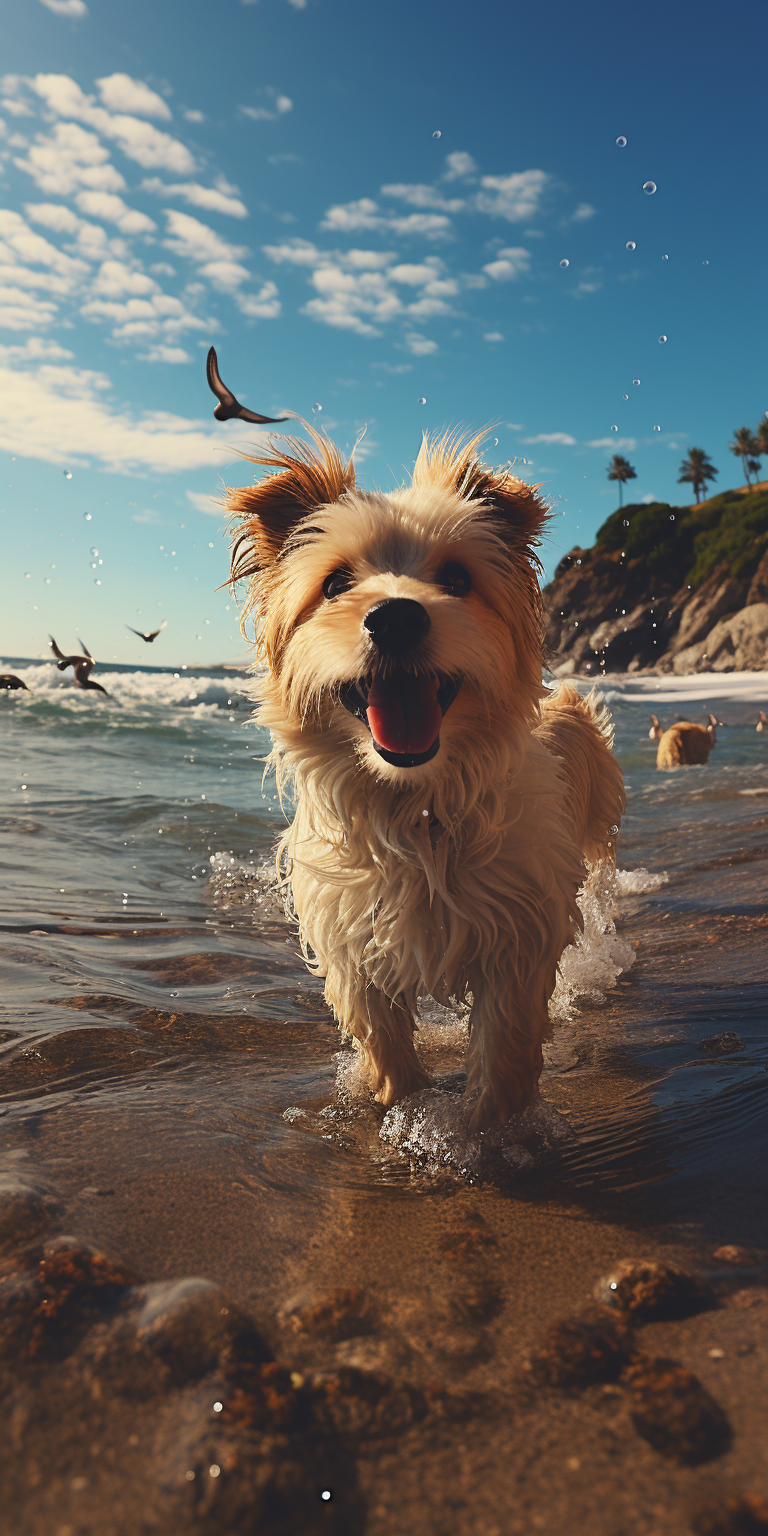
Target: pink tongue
(403, 713)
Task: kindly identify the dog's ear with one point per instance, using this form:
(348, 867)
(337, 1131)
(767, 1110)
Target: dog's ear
(452, 462)
(304, 476)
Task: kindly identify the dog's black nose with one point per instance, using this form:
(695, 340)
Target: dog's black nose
(396, 624)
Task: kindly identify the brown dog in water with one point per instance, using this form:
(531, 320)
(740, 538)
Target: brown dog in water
(445, 801)
(684, 743)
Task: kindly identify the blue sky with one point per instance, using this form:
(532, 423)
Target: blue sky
(361, 207)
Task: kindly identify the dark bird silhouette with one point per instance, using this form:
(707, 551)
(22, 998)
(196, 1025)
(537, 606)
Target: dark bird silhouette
(9, 681)
(228, 406)
(82, 667)
(153, 634)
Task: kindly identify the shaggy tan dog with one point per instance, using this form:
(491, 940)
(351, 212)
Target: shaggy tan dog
(683, 743)
(442, 811)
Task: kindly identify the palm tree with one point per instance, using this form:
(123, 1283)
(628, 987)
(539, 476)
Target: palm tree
(696, 470)
(620, 469)
(761, 438)
(744, 447)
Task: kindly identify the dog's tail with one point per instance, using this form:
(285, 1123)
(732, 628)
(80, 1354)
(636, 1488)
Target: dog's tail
(579, 731)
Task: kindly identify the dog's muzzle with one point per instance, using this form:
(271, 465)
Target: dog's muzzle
(403, 712)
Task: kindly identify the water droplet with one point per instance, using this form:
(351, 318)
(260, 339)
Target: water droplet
(565, 262)
(495, 442)
(649, 187)
(625, 397)
(93, 565)
(657, 429)
(626, 522)
(94, 551)
(422, 399)
(47, 581)
(215, 1471)
(87, 516)
(578, 562)
(437, 134)
(190, 1476)
(671, 517)
(621, 141)
(28, 575)
(173, 994)
(326, 1494)
(317, 407)
(614, 429)
(614, 829)
(97, 582)
(525, 461)
(67, 474)
(662, 338)
(217, 1407)
(635, 381)
(665, 258)
(631, 245)
(705, 263)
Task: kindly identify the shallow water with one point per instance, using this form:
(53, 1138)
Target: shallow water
(170, 1073)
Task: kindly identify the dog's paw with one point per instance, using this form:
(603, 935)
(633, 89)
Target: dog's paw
(432, 1130)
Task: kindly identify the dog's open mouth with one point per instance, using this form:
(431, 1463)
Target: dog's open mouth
(403, 712)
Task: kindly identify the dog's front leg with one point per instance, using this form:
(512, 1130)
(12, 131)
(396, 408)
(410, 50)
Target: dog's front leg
(382, 1030)
(508, 1025)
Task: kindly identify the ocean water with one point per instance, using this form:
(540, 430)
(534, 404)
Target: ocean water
(144, 951)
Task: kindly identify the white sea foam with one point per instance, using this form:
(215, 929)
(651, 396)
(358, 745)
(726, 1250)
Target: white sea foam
(197, 693)
(233, 883)
(750, 687)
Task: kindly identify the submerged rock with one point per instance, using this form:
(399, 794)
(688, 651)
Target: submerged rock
(675, 1413)
(187, 1323)
(576, 1351)
(648, 1290)
(338, 1315)
(722, 1045)
(741, 1516)
(26, 1209)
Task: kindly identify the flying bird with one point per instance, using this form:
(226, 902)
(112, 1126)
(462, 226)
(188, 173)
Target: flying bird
(82, 666)
(151, 636)
(9, 681)
(228, 406)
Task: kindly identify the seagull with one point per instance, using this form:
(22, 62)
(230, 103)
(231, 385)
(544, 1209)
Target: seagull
(82, 667)
(228, 406)
(9, 681)
(151, 636)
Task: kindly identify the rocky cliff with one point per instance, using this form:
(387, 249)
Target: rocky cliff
(676, 589)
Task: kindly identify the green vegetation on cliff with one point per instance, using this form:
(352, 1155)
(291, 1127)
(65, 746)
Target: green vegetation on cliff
(683, 545)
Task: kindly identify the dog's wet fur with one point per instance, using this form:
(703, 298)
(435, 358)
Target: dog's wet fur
(446, 801)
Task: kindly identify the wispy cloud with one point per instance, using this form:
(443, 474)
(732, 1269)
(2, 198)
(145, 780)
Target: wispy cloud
(613, 442)
(276, 106)
(510, 262)
(121, 93)
(65, 415)
(222, 198)
(361, 291)
(138, 139)
(553, 437)
(365, 214)
(75, 8)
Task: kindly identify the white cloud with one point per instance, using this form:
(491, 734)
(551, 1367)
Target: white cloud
(202, 502)
(279, 106)
(64, 415)
(459, 164)
(144, 317)
(68, 158)
(92, 240)
(76, 8)
(34, 350)
(219, 199)
(613, 442)
(115, 280)
(345, 218)
(107, 205)
(515, 197)
(164, 354)
(137, 139)
(192, 115)
(358, 290)
(264, 305)
(580, 214)
(510, 262)
(553, 437)
(191, 238)
(21, 310)
(420, 346)
(121, 93)
(647, 501)
(493, 336)
(421, 196)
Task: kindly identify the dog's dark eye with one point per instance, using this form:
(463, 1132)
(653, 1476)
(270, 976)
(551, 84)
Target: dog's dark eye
(453, 578)
(336, 583)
